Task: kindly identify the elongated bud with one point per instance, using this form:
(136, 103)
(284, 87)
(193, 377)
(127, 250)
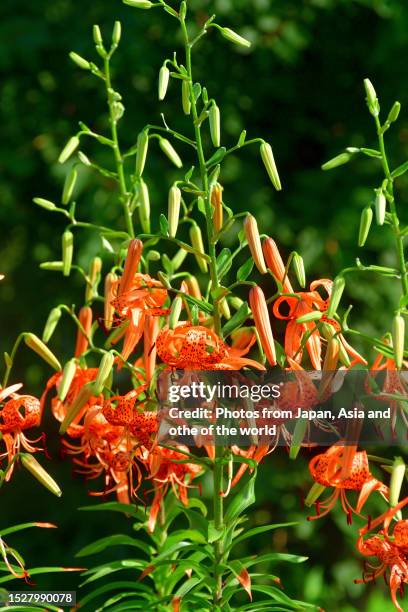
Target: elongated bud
(234, 37)
(164, 76)
(336, 293)
(47, 204)
(394, 112)
(151, 331)
(331, 357)
(174, 209)
(133, 256)
(175, 311)
(225, 309)
(54, 266)
(31, 465)
(185, 97)
(142, 147)
(144, 206)
(68, 150)
(164, 279)
(398, 339)
(193, 287)
(82, 340)
(69, 185)
(275, 263)
(110, 283)
(299, 268)
(329, 332)
(339, 160)
(380, 207)
(117, 33)
(236, 302)
(216, 201)
(97, 36)
(94, 277)
(314, 494)
(371, 97)
(269, 163)
(80, 61)
(178, 259)
(397, 480)
(254, 242)
(35, 344)
(215, 125)
(365, 224)
(51, 323)
(68, 374)
(310, 316)
(81, 400)
(105, 368)
(170, 151)
(84, 159)
(196, 238)
(141, 4)
(260, 315)
(67, 251)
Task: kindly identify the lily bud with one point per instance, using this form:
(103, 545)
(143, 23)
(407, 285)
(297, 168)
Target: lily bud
(84, 159)
(232, 36)
(178, 259)
(164, 279)
(254, 242)
(398, 339)
(365, 224)
(394, 112)
(174, 209)
(144, 207)
(67, 251)
(83, 397)
(216, 201)
(170, 151)
(82, 341)
(35, 344)
(54, 266)
(380, 207)
(397, 480)
(164, 76)
(236, 302)
(269, 163)
(68, 374)
(260, 315)
(97, 36)
(193, 287)
(68, 150)
(175, 312)
(225, 309)
(110, 283)
(310, 316)
(44, 203)
(31, 465)
(337, 291)
(93, 278)
(371, 97)
(339, 160)
(117, 33)
(69, 185)
(51, 323)
(331, 357)
(133, 256)
(196, 238)
(315, 492)
(141, 4)
(275, 264)
(105, 368)
(80, 61)
(185, 97)
(142, 146)
(299, 267)
(215, 125)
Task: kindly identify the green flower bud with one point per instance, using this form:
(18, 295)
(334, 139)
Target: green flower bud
(380, 207)
(44, 203)
(141, 4)
(175, 311)
(337, 292)
(164, 76)
(365, 224)
(142, 146)
(82, 398)
(185, 96)
(51, 324)
(394, 112)
(68, 150)
(94, 277)
(31, 465)
(153, 256)
(35, 344)
(68, 374)
(234, 37)
(236, 302)
(80, 61)
(371, 97)
(84, 159)
(105, 368)
(314, 494)
(117, 33)
(339, 160)
(196, 238)
(174, 209)
(97, 36)
(54, 266)
(299, 268)
(397, 480)
(178, 259)
(171, 153)
(69, 185)
(398, 339)
(67, 251)
(164, 279)
(310, 316)
(215, 125)
(269, 162)
(144, 206)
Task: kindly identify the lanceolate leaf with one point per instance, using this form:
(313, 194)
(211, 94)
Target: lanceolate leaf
(241, 501)
(113, 540)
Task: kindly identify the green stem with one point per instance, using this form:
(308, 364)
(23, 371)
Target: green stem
(12, 356)
(117, 152)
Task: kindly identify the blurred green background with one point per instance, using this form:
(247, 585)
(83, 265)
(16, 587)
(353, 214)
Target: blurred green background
(300, 88)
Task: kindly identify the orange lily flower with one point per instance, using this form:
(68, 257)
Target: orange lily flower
(189, 347)
(326, 469)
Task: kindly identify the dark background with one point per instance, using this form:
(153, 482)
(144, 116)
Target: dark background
(301, 88)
